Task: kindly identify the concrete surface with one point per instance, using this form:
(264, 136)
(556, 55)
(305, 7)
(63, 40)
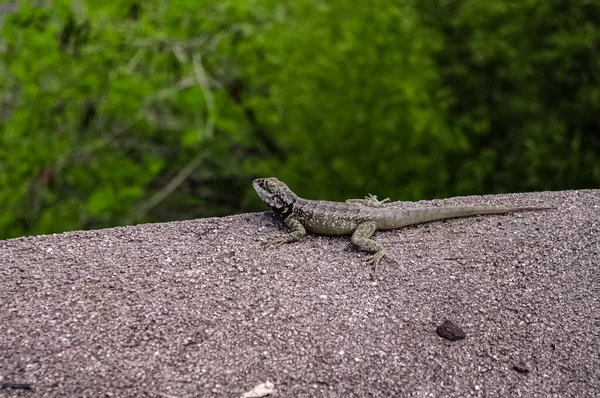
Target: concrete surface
(200, 308)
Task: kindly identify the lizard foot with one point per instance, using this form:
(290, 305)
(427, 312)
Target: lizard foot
(276, 241)
(376, 258)
(369, 201)
(376, 202)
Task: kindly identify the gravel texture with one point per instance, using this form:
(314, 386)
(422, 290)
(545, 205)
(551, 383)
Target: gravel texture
(202, 308)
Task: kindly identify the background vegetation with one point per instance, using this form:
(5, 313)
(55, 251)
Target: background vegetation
(114, 113)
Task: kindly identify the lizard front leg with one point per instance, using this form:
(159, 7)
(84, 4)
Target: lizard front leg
(362, 238)
(297, 233)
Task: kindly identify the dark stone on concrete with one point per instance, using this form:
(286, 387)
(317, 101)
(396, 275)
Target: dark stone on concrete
(450, 331)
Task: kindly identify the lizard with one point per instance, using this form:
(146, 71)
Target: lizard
(359, 218)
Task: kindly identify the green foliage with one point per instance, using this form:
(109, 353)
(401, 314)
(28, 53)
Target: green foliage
(525, 84)
(351, 98)
(103, 105)
(123, 112)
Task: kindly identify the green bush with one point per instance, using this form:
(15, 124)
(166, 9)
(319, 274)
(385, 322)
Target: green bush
(119, 113)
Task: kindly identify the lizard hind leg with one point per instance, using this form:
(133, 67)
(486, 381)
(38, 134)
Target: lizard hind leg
(362, 238)
(369, 201)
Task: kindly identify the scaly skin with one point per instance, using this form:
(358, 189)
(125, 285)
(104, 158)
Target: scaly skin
(357, 217)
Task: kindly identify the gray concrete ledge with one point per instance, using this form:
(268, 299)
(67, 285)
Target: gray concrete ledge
(200, 308)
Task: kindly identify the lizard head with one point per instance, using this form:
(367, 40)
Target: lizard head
(274, 193)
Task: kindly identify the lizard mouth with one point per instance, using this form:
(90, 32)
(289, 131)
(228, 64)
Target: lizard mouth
(261, 186)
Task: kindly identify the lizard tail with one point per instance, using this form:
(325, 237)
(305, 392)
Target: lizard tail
(404, 217)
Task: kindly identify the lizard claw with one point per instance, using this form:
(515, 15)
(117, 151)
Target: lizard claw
(376, 258)
(374, 201)
(280, 240)
(277, 241)
(370, 201)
